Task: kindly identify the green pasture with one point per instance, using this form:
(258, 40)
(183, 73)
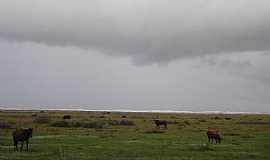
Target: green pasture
(110, 135)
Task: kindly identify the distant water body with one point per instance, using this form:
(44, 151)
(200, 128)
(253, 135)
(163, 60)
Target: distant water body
(125, 110)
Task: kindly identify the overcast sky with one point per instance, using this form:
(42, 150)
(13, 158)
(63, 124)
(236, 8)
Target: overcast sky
(193, 55)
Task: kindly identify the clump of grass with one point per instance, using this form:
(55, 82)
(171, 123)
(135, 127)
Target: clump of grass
(232, 134)
(216, 118)
(60, 124)
(186, 122)
(155, 131)
(172, 122)
(4, 125)
(42, 119)
(200, 148)
(92, 124)
(78, 124)
(121, 122)
(247, 136)
(182, 125)
(254, 123)
(173, 117)
(202, 120)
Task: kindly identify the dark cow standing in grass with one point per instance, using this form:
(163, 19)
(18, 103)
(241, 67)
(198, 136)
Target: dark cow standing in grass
(212, 135)
(21, 135)
(66, 117)
(160, 122)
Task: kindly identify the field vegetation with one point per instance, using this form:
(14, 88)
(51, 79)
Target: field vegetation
(130, 136)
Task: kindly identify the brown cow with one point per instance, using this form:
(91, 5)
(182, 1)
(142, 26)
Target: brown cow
(213, 134)
(21, 135)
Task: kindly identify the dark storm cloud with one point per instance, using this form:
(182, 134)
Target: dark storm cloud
(146, 30)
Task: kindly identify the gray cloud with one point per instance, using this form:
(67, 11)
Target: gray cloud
(38, 75)
(247, 65)
(146, 30)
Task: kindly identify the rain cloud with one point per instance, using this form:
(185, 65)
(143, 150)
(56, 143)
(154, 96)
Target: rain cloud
(147, 31)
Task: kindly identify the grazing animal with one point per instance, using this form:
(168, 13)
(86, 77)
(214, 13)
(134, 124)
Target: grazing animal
(21, 135)
(124, 116)
(160, 122)
(66, 117)
(213, 135)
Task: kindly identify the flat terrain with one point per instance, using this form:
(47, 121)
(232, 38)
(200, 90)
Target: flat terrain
(125, 136)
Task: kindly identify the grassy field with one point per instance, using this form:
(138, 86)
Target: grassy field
(109, 135)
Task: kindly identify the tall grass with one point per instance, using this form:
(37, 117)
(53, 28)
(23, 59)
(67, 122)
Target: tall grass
(42, 119)
(121, 122)
(79, 124)
(4, 124)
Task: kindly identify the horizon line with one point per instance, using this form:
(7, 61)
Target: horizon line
(131, 111)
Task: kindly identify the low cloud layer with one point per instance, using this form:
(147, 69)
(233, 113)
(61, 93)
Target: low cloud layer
(38, 75)
(146, 30)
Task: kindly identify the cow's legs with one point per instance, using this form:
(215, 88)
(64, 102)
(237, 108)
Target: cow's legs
(219, 140)
(15, 145)
(22, 146)
(27, 142)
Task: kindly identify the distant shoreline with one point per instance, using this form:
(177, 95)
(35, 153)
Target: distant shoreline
(133, 111)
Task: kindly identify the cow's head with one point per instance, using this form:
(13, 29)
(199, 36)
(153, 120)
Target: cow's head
(29, 132)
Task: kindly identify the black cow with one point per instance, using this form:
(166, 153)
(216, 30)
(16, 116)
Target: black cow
(66, 117)
(21, 135)
(160, 122)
